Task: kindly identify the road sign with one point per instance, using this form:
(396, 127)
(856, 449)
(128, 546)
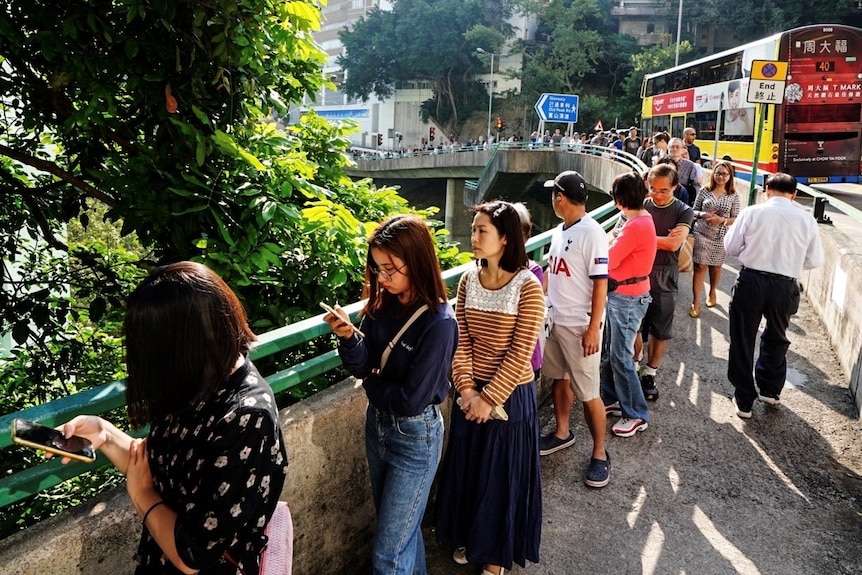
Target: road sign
(766, 85)
(765, 92)
(771, 70)
(557, 108)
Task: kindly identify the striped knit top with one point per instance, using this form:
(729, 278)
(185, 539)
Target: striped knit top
(498, 330)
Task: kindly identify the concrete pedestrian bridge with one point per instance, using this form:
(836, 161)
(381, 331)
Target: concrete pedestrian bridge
(457, 179)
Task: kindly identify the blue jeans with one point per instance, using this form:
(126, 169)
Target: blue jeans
(403, 454)
(620, 380)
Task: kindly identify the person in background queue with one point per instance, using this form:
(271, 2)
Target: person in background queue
(774, 241)
(715, 208)
(403, 426)
(536, 269)
(689, 135)
(208, 476)
(489, 499)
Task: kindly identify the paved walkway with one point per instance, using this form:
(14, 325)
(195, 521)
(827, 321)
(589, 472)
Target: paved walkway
(701, 491)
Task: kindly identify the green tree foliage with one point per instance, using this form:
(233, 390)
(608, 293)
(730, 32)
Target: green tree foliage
(577, 51)
(154, 110)
(749, 20)
(428, 40)
(135, 133)
(650, 60)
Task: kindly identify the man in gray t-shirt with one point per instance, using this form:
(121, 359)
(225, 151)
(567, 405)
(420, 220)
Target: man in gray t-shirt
(673, 221)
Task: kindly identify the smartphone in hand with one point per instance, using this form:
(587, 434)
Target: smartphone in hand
(331, 310)
(51, 440)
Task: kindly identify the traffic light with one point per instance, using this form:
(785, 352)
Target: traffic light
(499, 124)
(431, 132)
(379, 139)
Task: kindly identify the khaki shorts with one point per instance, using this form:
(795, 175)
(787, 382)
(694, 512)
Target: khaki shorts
(564, 359)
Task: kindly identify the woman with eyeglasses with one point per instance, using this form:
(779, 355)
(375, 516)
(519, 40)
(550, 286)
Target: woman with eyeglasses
(405, 376)
(715, 208)
(489, 500)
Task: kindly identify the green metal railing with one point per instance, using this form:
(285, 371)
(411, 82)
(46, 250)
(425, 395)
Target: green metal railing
(103, 399)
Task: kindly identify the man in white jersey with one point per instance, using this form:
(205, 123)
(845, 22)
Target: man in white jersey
(577, 286)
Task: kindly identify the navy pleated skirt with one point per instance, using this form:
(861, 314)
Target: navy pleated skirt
(489, 497)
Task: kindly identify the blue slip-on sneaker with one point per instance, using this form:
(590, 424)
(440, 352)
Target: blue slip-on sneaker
(599, 472)
(550, 443)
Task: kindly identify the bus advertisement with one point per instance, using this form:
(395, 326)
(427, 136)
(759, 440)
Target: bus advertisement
(814, 134)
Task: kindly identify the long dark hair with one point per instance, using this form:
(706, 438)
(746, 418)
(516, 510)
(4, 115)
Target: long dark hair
(505, 218)
(184, 330)
(409, 239)
(730, 184)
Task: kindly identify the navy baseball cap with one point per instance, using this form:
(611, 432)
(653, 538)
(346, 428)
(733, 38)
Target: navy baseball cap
(571, 184)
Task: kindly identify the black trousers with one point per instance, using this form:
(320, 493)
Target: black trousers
(756, 296)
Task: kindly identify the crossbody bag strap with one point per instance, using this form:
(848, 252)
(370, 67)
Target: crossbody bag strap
(391, 345)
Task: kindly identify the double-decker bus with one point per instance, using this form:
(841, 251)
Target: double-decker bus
(814, 134)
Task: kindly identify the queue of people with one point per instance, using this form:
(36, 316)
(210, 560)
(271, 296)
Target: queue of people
(207, 477)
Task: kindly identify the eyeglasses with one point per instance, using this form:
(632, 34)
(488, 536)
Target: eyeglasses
(676, 147)
(387, 276)
(721, 174)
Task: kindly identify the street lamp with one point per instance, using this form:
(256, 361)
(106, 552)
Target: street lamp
(490, 90)
(678, 32)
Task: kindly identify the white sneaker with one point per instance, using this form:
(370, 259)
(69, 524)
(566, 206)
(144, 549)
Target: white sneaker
(769, 400)
(626, 427)
(460, 556)
(741, 412)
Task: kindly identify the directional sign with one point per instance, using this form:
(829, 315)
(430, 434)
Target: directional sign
(557, 108)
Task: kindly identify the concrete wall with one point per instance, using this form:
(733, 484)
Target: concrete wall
(834, 291)
(327, 488)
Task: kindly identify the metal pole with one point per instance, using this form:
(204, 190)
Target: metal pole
(490, 98)
(678, 31)
(757, 138)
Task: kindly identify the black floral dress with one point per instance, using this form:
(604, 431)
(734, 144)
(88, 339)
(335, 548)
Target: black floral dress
(220, 466)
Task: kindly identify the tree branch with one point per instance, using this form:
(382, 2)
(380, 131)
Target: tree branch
(54, 169)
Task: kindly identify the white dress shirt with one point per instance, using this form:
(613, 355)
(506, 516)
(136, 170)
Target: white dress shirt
(776, 236)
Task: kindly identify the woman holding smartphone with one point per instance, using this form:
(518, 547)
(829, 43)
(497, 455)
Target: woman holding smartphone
(405, 385)
(208, 476)
(489, 502)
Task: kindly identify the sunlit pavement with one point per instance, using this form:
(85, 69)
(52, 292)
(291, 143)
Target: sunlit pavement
(702, 491)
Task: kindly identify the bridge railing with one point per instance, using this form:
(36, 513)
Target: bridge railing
(612, 154)
(105, 398)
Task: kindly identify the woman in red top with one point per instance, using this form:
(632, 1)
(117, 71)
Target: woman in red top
(631, 257)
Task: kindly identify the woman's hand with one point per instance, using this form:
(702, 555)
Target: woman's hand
(339, 322)
(476, 408)
(89, 427)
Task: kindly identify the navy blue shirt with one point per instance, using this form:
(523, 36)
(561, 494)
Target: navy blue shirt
(417, 371)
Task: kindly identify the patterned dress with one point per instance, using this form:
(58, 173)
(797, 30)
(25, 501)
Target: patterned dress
(709, 240)
(220, 465)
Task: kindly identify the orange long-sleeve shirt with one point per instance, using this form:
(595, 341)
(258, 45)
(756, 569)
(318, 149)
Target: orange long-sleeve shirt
(498, 330)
